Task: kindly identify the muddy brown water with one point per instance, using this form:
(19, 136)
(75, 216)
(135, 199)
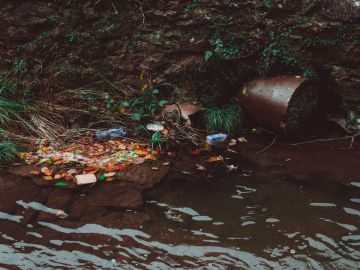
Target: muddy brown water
(230, 221)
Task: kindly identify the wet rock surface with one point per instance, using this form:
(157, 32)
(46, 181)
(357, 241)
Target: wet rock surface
(310, 159)
(145, 175)
(125, 192)
(114, 195)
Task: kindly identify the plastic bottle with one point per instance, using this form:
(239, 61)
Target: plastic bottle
(110, 133)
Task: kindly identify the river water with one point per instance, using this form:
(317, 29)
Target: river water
(231, 221)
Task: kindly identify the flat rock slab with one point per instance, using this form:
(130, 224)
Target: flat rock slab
(145, 175)
(115, 195)
(317, 161)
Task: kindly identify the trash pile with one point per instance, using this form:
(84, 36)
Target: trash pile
(87, 160)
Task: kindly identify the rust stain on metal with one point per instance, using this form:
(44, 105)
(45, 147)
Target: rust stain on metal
(266, 100)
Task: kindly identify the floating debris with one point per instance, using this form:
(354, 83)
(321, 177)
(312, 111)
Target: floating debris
(215, 139)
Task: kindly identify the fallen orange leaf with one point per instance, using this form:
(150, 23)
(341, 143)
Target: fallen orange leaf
(48, 178)
(35, 172)
(48, 172)
(68, 177)
(59, 162)
(140, 152)
(213, 159)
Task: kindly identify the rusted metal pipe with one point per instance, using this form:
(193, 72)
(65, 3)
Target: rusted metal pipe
(266, 101)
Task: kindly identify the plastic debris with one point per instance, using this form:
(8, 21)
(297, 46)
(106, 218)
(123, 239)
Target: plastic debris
(60, 213)
(215, 158)
(110, 133)
(215, 139)
(110, 174)
(155, 127)
(61, 184)
(231, 168)
(85, 179)
(200, 167)
(232, 142)
(87, 156)
(242, 140)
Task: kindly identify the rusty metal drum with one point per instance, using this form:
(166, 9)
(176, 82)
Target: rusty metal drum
(266, 101)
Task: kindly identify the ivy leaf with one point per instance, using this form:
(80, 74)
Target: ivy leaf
(125, 104)
(136, 116)
(208, 54)
(162, 103)
(155, 91)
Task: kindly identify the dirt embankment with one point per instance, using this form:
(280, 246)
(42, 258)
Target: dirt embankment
(198, 46)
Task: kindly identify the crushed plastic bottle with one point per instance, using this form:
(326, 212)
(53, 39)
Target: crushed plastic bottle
(216, 138)
(110, 133)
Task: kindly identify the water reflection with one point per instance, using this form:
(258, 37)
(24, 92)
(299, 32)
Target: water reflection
(239, 223)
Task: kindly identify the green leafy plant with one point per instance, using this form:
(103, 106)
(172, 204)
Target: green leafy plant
(53, 18)
(266, 3)
(6, 84)
(226, 119)
(71, 37)
(46, 34)
(8, 152)
(353, 120)
(277, 52)
(146, 105)
(309, 73)
(157, 138)
(192, 6)
(223, 49)
(8, 110)
(19, 66)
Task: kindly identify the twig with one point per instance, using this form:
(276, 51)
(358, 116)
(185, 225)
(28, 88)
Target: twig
(352, 138)
(267, 147)
(142, 12)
